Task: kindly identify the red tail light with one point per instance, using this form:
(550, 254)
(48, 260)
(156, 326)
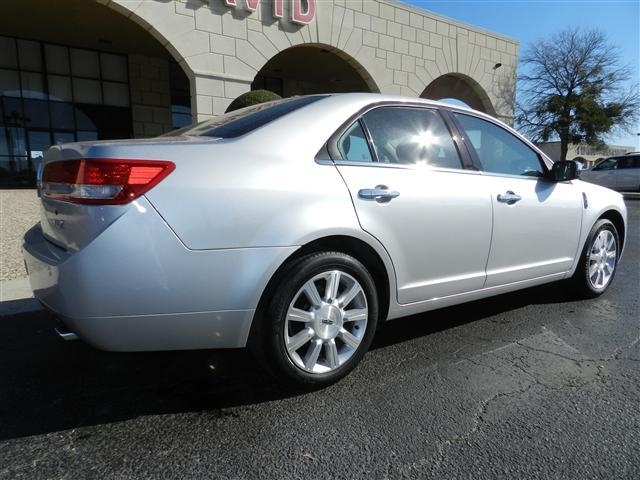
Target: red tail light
(103, 181)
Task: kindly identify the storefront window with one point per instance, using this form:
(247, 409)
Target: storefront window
(8, 55)
(180, 97)
(29, 55)
(51, 94)
(9, 83)
(57, 58)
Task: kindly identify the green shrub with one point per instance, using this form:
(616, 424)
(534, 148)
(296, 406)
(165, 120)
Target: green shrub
(252, 98)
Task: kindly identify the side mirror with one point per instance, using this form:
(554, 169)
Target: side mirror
(564, 171)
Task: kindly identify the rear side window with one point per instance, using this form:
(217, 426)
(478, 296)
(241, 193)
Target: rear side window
(353, 145)
(411, 136)
(629, 161)
(240, 122)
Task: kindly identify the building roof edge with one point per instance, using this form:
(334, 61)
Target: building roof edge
(438, 16)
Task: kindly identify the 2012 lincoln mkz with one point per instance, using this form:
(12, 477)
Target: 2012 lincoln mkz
(297, 227)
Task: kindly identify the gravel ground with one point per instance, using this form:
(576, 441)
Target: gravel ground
(18, 212)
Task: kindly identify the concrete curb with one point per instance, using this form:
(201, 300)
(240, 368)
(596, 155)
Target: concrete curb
(16, 297)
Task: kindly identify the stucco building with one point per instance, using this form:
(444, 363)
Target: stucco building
(98, 69)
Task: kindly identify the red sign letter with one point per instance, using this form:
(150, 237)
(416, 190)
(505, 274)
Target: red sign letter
(252, 5)
(277, 8)
(231, 3)
(300, 16)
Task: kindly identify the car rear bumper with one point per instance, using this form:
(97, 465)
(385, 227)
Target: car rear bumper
(136, 287)
(186, 331)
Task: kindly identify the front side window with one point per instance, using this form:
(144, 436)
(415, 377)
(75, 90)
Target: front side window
(498, 150)
(411, 136)
(608, 164)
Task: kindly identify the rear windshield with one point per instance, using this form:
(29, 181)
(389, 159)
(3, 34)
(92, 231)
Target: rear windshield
(245, 120)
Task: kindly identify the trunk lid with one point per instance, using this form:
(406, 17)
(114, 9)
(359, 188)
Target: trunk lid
(74, 212)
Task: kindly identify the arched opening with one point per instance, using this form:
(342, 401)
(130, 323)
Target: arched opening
(308, 69)
(460, 87)
(75, 70)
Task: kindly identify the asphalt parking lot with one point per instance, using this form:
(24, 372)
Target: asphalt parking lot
(525, 385)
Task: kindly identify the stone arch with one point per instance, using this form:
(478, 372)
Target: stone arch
(146, 16)
(187, 45)
(159, 21)
(461, 87)
(313, 68)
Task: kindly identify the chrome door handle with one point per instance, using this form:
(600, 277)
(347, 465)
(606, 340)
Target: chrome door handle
(509, 198)
(380, 194)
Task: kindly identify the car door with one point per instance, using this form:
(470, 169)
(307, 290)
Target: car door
(410, 191)
(536, 222)
(604, 173)
(628, 173)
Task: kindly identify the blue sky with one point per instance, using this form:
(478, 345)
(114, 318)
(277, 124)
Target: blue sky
(531, 20)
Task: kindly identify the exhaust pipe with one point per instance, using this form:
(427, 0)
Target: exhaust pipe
(66, 334)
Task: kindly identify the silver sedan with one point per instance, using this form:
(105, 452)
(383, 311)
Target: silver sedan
(296, 227)
(620, 173)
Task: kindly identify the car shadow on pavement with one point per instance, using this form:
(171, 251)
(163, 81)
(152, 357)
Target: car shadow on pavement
(50, 385)
(414, 326)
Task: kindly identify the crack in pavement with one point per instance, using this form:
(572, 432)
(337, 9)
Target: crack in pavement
(549, 352)
(620, 350)
(478, 416)
(477, 421)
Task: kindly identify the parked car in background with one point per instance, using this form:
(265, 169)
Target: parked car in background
(296, 227)
(620, 173)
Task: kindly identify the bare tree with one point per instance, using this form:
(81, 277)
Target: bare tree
(572, 89)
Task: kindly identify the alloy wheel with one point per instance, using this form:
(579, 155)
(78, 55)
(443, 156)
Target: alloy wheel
(326, 322)
(602, 259)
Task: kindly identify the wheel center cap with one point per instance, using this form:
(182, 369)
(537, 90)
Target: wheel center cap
(328, 322)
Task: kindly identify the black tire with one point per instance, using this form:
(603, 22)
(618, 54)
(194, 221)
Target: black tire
(325, 321)
(595, 272)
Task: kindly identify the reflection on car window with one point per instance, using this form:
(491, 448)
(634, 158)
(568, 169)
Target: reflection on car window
(407, 135)
(498, 150)
(607, 164)
(353, 145)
